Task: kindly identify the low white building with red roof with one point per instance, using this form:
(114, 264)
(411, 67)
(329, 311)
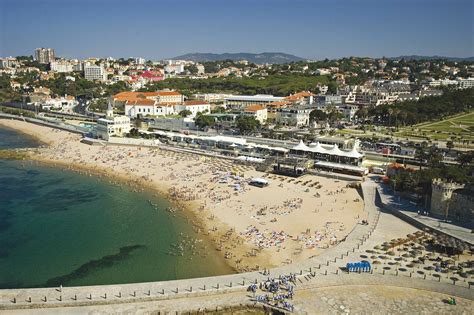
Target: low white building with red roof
(257, 111)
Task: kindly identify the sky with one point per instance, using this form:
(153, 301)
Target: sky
(313, 29)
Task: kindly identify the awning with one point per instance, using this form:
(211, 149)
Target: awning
(362, 170)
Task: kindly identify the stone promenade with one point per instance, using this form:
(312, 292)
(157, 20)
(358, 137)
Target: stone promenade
(315, 276)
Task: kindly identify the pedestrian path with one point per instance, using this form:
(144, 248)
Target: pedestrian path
(412, 212)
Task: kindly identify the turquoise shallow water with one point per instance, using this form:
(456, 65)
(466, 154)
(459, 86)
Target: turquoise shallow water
(60, 227)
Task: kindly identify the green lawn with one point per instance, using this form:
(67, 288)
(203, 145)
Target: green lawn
(460, 126)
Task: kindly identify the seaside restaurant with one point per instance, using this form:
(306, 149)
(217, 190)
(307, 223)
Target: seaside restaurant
(328, 154)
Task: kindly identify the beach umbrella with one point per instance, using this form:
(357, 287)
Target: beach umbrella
(463, 264)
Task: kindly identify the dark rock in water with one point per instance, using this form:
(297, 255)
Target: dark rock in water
(93, 265)
(62, 198)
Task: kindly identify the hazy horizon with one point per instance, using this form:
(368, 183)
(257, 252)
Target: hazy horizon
(308, 29)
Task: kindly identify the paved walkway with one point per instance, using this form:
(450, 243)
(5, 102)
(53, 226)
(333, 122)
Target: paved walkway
(320, 271)
(410, 210)
(341, 294)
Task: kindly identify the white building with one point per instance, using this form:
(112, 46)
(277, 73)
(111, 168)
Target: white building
(44, 55)
(112, 125)
(465, 83)
(64, 103)
(241, 101)
(169, 97)
(175, 68)
(323, 71)
(61, 66)
(8, 62)
(158, 103)
(194, 107)
(440, 82)
(212, 97)
(147, 107)
(139, 61)
(78, 67)
(293, 116)
(93, 72)
(257, 111)
(200, 69)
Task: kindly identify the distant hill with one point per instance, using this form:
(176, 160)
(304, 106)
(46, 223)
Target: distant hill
(266, 57)
(417, 57)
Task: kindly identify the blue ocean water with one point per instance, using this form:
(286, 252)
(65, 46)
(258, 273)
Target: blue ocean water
(61, 227)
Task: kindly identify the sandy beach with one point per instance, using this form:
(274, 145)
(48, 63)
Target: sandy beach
(253, 228)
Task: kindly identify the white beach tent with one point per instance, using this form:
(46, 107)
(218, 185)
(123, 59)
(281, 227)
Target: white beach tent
(301, 147)
(318, 148)
(354, 154)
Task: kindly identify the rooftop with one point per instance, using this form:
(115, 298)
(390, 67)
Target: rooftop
(254, 108)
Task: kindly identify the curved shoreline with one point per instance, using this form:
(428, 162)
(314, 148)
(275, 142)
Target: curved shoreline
(217, 230)
(320, 271)
(134, 184)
